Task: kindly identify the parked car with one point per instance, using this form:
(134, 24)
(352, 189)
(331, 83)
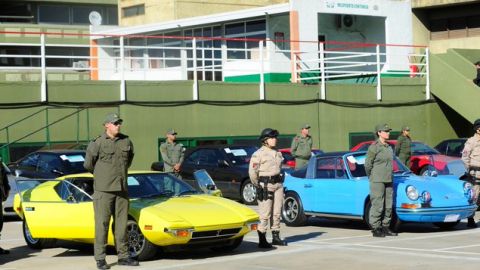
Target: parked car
(227, 165)
(451, 147)
(49, 164)
(165, 213)
(289, 160)
(336, 185)
(424, 159)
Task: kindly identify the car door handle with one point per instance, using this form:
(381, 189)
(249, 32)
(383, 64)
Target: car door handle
(29, 208)
(307, 185)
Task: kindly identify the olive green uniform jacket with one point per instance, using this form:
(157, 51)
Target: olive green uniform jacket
(172, 153)
(109, 159)
(301, 150)
(403, 149)
(379, 163)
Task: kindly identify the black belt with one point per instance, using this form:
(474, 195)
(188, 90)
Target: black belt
(271, 179)
(474, 168)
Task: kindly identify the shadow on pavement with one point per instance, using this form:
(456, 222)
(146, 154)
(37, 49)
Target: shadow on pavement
(302, 237)
(17, 254)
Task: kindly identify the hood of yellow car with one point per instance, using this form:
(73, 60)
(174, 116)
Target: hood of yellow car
(197, 210)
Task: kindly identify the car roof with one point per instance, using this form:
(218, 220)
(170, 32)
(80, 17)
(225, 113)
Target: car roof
(335, 154)
(61, 151)
(218, 146)
(130, 172)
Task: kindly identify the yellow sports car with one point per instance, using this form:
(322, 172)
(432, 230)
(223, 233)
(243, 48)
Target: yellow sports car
(165, 212)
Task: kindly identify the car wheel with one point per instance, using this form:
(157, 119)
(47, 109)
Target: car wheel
(446, 225)
(230, 247)
(248, 193)
(292, 213)
(366, 214)
(36, 243)
(139, 246)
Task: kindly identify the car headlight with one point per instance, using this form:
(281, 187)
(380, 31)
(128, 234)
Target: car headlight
(426, 197)
(468, 191)
(412, 193)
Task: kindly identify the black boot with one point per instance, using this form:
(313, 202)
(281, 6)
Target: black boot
(388, 232)
(4, 251)
(276, 240)
(471, 223)
(378, 232)
(262, 241)
(102, 265)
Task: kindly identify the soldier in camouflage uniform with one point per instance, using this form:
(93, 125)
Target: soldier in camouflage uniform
(471, 159)
(403, 148)
(379, 166)
(264, 171)
(4, 191)
(172, 153)
(108, 157)
(302, 147)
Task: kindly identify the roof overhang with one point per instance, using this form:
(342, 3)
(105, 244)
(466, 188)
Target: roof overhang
(189, 22)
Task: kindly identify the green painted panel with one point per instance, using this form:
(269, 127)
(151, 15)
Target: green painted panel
(17, 92)
(331, 121)
(83, 91)
(252, 78)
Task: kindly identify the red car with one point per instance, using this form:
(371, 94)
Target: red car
(289, 160)
(423, 159)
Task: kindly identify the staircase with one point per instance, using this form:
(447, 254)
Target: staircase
(451, 76)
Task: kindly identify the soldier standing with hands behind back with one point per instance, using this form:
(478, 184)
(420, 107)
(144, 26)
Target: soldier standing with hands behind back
(471, 160)
(172, 153)
(108, 157)
(379, 166)
(301, 148)
(403, 148)
(265, 173)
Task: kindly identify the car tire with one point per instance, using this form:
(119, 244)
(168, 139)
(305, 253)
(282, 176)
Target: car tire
(248, 193)
(366, 214)
(292, 212)
(446, 225)
(138, 246)
(230, 247)
(36, 243)
(395, 222)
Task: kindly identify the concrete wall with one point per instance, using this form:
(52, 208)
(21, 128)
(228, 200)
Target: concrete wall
(154, 107)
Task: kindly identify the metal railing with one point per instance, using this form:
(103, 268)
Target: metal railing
(125, 58)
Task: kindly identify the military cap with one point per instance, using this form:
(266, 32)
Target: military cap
(382, 127)
(476, 124)
(112, 118)
(306, 126)
(171, 132)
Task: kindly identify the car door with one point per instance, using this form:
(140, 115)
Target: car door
(335, 193)
(204, 158)
(58, 209)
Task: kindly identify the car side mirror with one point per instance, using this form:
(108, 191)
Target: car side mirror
(211, 187)
(222, 163)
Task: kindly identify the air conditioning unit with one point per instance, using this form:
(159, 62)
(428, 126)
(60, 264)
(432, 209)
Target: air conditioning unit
(80, 65)
(347, 22)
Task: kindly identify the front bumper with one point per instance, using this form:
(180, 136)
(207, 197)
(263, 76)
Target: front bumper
(444, 214)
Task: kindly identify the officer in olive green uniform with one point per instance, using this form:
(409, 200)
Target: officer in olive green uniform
(379, 166)
(172, 153)
(108, 157)
(4, 191)
(265, 173)
(301, 148)
(471, 160)
(403, 148)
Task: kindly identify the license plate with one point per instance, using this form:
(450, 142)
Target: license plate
(451, 218)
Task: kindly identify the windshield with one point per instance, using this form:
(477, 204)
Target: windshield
(356, 165)
(152, 185)
(419, 148)
(73, 163)
(240, 155)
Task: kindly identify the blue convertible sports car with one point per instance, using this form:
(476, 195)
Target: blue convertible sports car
(335, 185)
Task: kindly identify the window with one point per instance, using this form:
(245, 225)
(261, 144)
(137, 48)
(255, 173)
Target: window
(246, 49)
(330, 168)
(54, 14)
(208, 157)
(30, 162)
(80, 14)
(133, 10)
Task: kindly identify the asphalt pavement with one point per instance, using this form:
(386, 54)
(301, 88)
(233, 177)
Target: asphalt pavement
(322, 244)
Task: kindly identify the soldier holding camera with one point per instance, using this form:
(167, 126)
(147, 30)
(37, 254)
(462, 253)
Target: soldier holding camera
(471, 159)
(265, 174)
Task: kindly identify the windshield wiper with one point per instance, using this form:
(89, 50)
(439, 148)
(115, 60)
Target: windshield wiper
(161, 194)
(185, 192)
